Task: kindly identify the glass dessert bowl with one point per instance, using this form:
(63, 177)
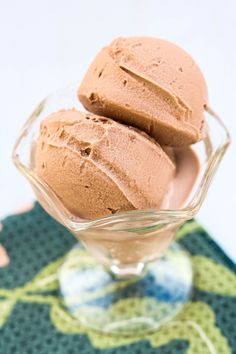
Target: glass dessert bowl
(134, 277)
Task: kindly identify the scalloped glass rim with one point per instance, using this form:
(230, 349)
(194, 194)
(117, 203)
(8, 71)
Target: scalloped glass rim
(215, 156)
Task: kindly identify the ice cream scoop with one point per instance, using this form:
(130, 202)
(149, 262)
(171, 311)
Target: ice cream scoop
(98, 167)
(150, 84)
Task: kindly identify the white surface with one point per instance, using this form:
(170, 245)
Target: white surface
(44, 45)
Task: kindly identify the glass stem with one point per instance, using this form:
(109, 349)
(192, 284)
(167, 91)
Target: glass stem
(126, 271)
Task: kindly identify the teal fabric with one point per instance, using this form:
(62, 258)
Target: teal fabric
(30, 320)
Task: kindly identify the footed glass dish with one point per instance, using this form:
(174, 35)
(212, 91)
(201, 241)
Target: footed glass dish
(131, 258)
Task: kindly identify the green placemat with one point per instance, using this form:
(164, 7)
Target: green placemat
(33, 320)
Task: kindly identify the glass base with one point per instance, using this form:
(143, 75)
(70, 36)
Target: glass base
(125, 306)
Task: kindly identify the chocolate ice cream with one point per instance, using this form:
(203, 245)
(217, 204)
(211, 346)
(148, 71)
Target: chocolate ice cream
(98, 167)
(150, 84)
(147, 98)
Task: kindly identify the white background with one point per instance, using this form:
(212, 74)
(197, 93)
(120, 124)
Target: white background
(44, 45)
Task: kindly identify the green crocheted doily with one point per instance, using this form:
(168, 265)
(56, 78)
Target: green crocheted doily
(34, 321)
